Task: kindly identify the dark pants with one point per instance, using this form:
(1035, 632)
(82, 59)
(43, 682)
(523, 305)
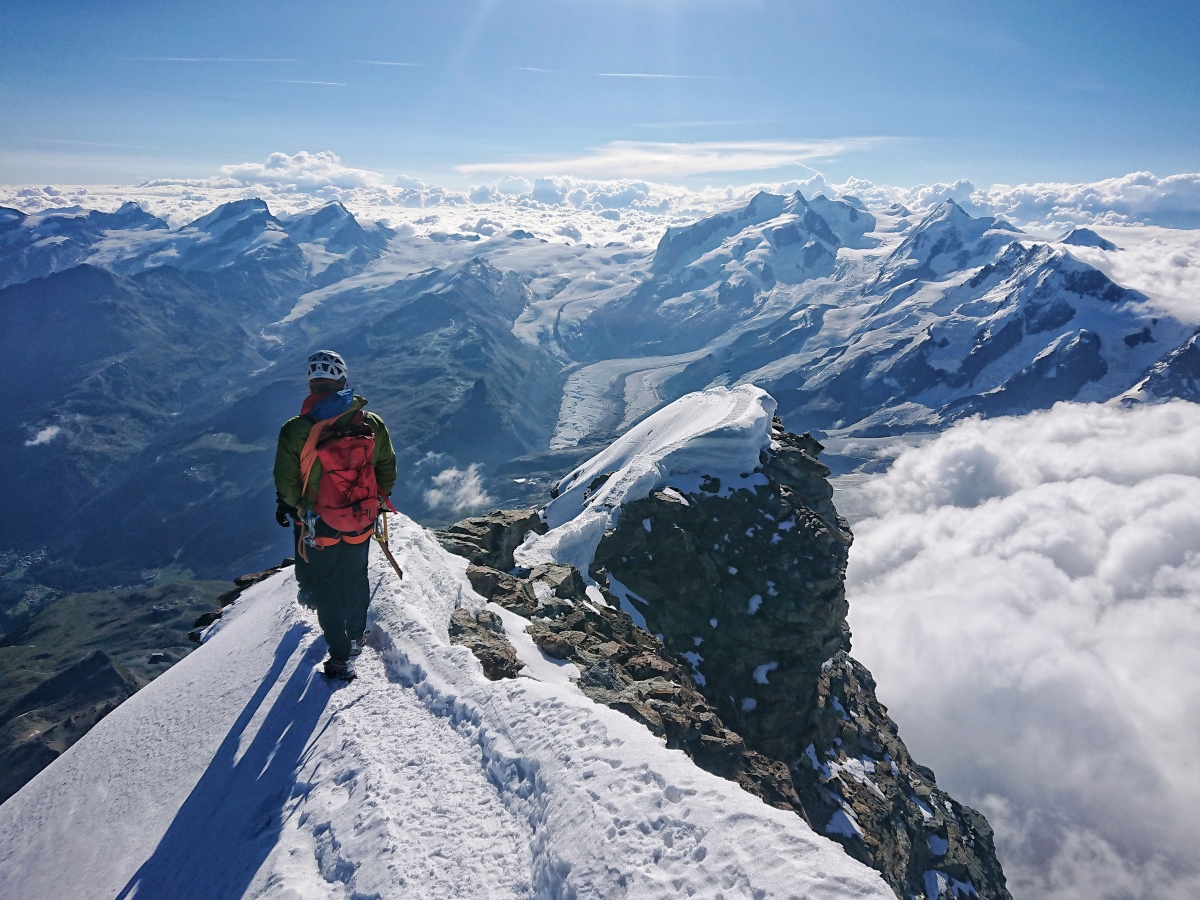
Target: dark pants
(334, 583)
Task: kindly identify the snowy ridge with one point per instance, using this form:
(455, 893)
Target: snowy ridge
(420, 779)
(718, 432)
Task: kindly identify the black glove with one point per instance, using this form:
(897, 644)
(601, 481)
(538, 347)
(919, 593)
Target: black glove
(282, 511)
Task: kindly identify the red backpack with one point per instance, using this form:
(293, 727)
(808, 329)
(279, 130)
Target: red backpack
(347, 495)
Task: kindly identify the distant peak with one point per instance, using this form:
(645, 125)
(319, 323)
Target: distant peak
(1085, 237)
(764, 205)
(235, 209)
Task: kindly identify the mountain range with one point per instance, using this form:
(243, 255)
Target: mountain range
(167, 358)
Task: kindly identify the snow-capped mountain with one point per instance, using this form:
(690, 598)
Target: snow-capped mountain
(520, 356)
(32, 246)
(945, 318)
(335, 229)
(945, 242)
(710, 276)
(1085, 237)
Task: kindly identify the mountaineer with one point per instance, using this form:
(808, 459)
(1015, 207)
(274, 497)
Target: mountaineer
(334, 468)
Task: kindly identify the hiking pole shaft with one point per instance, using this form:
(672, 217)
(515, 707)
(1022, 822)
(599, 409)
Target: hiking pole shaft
(382, 538)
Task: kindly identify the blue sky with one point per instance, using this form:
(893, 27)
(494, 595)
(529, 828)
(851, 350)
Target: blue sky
(687, 91)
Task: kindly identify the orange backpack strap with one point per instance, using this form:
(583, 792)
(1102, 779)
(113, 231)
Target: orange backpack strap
(308, 454)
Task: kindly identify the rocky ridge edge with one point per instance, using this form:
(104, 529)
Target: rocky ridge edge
(802, 729)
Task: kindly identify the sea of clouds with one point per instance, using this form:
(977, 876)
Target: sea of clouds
(1155, 221)
(597, 205)
(1027, 593)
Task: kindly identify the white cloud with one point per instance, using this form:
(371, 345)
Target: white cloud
(635, 159)
(1136, 198)
(44, 436)
(1163, 263)
(569, 231)
(458, 490)
(482, 226)
(1028, 595)
(303, 171)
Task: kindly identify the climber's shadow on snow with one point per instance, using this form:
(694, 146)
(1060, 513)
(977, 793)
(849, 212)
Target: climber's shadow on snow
(231, 820)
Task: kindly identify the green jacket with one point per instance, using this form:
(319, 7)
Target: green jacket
(295, 432)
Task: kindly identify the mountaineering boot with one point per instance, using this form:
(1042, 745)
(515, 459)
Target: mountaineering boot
(339, 669)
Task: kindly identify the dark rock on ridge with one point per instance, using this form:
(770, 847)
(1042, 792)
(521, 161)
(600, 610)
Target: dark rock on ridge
(229, 597)
(483, 634)
(750, 586)
(749, 673)
(623, 667)
(490, 540)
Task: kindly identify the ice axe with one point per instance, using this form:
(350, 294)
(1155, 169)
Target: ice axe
(381, 535)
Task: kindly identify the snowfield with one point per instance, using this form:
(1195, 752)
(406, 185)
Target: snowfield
(242, 772)
(718, 432)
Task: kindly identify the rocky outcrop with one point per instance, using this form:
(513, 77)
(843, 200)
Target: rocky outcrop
(490, 540)
(749, 586)
(744, 664)
(859, 783)
(624, 667)
(483, 634)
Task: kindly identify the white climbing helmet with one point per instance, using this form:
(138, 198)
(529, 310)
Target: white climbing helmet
(326, 364)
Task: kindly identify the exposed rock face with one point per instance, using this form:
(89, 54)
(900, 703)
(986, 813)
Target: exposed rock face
(749, 673)
(1175, 375)
(883, 807)
(624, 667)
(483, 635)
(490, 540)
(750, 587)
(744, 582)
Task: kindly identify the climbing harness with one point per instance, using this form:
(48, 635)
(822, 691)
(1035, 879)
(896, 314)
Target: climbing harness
(310, 539)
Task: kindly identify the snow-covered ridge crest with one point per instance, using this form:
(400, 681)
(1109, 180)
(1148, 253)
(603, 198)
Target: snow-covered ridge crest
(718, 432)
(242, 773)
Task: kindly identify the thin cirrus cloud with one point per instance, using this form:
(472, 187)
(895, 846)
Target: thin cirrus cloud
(303, 81)
(636, 159)
(208, 59)
(387, 62)
(658, 75)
